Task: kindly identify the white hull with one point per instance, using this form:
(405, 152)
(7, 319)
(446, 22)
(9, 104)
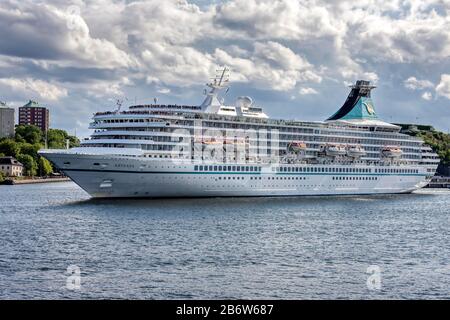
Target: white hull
(114, 176)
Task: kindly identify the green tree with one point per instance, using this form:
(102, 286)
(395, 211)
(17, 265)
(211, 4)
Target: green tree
(29, 133)
(9, 148)
(45, 168)
(2, 177)
(30, 149)
(57, 138)
(29, 164)
(74, 142)
(439, 142)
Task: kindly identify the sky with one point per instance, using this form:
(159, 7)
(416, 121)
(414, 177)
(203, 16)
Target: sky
(296, 59)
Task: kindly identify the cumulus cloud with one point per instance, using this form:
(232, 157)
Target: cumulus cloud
(34, 88)
(443, 88)
(41, 31)
(304, 91)
(95, 50)
(427, 96)
(414, 84)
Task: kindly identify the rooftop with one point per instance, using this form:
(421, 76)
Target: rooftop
(32, 104)
(10, 161)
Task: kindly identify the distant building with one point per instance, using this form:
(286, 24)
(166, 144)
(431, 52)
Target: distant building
(6, 121)
(409, 128)
(33, 114)
(10, 167)
(444, 170)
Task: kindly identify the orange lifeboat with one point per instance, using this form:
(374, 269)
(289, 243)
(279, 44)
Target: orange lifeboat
(391, 152)
(296, 146)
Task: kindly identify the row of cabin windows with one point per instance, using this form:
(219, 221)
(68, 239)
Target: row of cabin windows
(323, 169)
(344, 170)
(303, 169)
(228, 168)
(396, 170)
(261, 178)
(355, 178)
(296, 178)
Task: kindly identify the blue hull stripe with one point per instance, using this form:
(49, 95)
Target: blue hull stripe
(254, 173)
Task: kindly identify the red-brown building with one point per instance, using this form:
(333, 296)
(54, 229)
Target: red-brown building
(33, 114)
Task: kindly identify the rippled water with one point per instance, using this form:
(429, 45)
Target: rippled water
(288, 248)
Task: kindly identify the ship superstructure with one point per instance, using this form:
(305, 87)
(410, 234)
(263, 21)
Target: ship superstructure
(214, 149)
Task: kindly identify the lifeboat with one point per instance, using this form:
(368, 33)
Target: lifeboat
(296, 146)
(208, 141)
(335, 150)
(356, 151)
(391, 152)
(232, 141)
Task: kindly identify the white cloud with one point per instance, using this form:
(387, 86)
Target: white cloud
(427, 96)
(34, 88)
(414, 84)
(305, 91)
(164, 90)
(43, 31)
(443, 88)
(117, 47)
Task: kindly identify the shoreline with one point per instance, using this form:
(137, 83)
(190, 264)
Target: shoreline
(34, 181)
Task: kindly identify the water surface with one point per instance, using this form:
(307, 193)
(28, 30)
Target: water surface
(220, 248)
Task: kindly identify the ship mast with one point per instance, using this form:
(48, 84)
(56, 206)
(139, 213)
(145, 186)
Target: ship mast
(211, 104)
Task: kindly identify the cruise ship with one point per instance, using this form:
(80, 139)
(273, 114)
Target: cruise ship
(219, 150)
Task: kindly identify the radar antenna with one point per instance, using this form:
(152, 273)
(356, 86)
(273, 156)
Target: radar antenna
(119, 103)
(212, 103)
(221, 80)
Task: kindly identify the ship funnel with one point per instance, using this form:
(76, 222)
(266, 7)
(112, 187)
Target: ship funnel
(358, 105)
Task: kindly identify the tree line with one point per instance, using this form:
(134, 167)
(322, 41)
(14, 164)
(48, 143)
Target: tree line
(439, 142)
(26, 143)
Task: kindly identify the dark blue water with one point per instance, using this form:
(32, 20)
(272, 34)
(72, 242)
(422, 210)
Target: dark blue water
(288, 248)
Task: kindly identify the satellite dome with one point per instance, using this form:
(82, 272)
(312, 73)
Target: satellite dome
(244, 102)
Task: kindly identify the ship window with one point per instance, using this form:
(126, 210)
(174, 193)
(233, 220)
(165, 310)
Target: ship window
(234, 168)
(247, 168)
(238, 168)
(195, 168)
(220, 168)
(229, 168)
(215, 168)
(210, 168)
